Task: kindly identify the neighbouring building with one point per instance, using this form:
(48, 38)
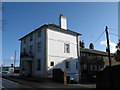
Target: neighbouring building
(9, 69)
(50, 47)
(93, 61)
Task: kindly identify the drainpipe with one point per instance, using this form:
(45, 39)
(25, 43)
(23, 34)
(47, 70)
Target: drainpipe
(78, 54)
(21, 63)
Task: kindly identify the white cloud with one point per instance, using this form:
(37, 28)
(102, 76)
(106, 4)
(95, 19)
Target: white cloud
(1, 63)
(103, 43)
(112, 45)
(12, 58)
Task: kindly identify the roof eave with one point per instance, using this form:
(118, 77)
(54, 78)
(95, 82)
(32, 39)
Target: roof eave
(53, 25)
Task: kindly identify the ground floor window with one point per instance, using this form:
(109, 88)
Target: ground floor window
(76, 65)
(38, 64)
(67, 64)
(52, 63)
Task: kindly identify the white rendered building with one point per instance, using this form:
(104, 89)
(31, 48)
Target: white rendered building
(50, 47)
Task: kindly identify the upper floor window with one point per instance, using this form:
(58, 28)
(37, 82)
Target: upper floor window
(24, 40)
(67, 63)
(24, 50)
(67, 48)
(39, 46)
(31, 37)
(99, 67)
(39, 33)
(84, 66)
(31, 49)
(95, 67)
(91, 67)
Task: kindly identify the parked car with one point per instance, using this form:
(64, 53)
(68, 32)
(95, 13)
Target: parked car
(4, 72)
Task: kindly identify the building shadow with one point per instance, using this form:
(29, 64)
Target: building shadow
(67, 70)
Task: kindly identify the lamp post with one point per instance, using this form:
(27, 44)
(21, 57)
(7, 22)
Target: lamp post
(15, 58)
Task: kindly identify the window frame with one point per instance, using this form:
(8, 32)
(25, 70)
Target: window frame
(39, 47)
(66, 48)
(24, 50)
(95, 68)
(31, 37)
(24, 40)
(85, 66)
(39, 33)
(91, 67)
(30, 48)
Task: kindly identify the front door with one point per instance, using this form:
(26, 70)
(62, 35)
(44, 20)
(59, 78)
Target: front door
(30, 68)
(68, 79)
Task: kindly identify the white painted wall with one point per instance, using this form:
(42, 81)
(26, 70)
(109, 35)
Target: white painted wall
(56, 53)
(56, 42)
(37, 55)
(40, 55)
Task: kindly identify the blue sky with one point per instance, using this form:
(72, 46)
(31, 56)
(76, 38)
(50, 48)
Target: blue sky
(60, 0)
(119, 19)
(89, 19)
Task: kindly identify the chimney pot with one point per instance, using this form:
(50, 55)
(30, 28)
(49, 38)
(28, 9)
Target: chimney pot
(91, 46)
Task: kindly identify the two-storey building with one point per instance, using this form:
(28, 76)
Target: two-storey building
(93, 61)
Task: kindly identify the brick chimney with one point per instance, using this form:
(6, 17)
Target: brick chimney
(91, 46)
(82, 44)
(63, 22)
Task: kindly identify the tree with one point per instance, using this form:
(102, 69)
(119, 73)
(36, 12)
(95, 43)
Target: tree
(117, 53)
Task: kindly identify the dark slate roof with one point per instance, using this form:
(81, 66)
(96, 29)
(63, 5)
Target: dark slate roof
(87, 50)
(58, 28)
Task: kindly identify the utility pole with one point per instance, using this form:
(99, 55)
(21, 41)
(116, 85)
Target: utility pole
(108, 50)
(14, 59)
(108, 45)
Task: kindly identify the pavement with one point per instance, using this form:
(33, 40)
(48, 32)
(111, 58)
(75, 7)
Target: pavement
(45, 83)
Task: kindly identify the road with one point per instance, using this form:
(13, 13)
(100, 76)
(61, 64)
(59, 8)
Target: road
(7, 84)
(19, 83)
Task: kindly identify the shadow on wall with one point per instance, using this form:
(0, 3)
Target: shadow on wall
(107, 79)
(68, 69)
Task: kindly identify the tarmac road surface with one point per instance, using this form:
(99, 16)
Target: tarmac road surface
(7, 84)
(20, 83)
